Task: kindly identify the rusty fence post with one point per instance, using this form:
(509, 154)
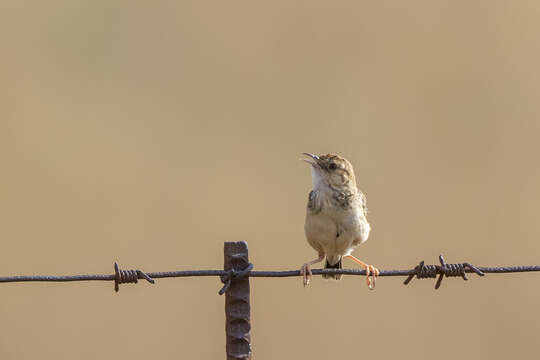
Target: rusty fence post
(237, 307)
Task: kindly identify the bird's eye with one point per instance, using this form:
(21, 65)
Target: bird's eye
(332, 166)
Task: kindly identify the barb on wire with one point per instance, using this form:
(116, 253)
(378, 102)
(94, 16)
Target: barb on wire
(430, 271)
(421, 271)
(128, 276)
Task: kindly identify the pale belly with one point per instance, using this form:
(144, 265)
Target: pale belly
(333, 238)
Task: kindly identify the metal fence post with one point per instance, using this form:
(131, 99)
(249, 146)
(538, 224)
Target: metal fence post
(237, 307)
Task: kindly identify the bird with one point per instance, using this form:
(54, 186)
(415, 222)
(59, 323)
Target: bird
(336, 216)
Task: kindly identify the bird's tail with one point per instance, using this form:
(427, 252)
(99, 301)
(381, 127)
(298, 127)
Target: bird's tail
(337, 265)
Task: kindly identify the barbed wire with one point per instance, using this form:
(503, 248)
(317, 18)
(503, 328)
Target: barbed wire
(421, 271)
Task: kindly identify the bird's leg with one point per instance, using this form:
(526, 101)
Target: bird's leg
(371, 271)
(305, 270)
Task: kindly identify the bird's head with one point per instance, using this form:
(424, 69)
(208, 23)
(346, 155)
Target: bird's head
(331, 171)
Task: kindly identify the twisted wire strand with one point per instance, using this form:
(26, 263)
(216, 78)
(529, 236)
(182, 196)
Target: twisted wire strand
(421, 271)
(231, 275)
(267, 274)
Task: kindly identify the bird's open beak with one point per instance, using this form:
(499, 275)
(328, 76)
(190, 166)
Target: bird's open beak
(314, 159)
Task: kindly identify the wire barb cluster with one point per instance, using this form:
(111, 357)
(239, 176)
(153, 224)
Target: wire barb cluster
(128, 276)
(423, 271)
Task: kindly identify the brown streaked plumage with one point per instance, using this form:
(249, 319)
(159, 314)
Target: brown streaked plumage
(336, 213)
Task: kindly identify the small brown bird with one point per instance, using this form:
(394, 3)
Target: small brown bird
(336, 220)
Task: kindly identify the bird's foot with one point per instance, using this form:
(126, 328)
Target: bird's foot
(371, 275)
(371, 272)
(305, 271)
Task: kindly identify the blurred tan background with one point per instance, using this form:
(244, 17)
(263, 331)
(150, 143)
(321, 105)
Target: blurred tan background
(149, 133)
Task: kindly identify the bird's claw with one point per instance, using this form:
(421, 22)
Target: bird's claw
(305, 271)
(371, 275)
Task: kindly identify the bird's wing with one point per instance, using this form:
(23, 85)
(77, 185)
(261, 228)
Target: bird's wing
(314, 204)
(363, 202)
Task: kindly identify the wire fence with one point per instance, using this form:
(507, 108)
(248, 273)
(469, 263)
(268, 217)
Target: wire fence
(235, 278)
(421, 271)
